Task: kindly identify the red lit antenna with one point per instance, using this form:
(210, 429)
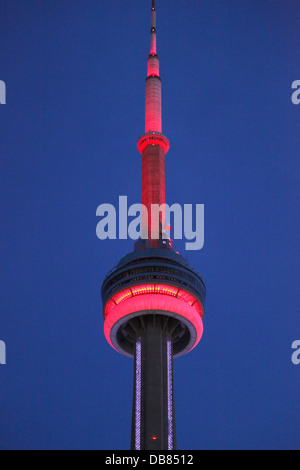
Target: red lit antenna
(153, 29)
(153, 145)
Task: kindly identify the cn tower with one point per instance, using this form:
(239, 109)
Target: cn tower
(153, 300)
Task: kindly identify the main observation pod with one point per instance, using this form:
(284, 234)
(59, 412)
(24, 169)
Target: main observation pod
(156, 282)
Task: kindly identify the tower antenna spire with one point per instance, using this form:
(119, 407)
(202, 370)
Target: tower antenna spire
(153, 146)
(153, 29)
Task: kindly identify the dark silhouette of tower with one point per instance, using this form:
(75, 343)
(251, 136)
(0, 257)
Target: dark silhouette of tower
(153, 300)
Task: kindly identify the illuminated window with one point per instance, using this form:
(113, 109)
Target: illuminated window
(125, 294)
(145, 289)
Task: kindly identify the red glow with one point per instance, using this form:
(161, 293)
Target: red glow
(143, 294)
(153, 44)
(198, 308)
(153, 138)
(153, 120)
(121, 296)
(154, 438)
(190, 299)
(153, 66)
(153, 188)
(110, 305)
(169, 290)
(147, 289)
(162, 302)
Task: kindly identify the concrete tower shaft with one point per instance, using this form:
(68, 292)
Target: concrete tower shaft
(153, 399)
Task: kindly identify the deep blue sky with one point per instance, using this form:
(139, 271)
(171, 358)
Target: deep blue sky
(75, 72)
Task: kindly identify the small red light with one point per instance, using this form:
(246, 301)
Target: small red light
(154, 438)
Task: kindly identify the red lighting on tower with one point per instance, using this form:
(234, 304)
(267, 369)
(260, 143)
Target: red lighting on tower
(153, 300)
(153, 145)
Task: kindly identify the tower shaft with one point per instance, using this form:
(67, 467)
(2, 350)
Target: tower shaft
(153, 423)
(153, 420)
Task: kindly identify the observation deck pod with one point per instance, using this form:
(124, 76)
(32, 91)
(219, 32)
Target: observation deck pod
(156, 282)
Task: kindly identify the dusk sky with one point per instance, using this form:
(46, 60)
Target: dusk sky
(75, 75)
